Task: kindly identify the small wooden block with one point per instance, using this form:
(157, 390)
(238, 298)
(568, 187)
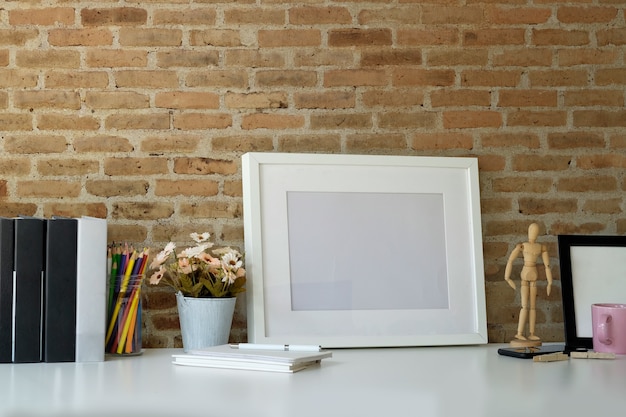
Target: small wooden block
(551, 357)
(592, 355)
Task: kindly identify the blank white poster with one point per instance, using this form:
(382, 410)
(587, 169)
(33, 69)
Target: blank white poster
(400, 255)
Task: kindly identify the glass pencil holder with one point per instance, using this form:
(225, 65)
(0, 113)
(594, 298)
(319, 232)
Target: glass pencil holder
(123, 332)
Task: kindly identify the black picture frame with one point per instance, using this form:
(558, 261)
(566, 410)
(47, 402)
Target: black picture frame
(577, 306)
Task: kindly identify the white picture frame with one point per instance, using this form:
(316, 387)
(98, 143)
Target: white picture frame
(363, 250)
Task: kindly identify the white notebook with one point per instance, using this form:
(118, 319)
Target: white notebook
(225, 356)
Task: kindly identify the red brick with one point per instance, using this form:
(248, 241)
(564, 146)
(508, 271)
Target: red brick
(537, 118)
(34, 144)
(187, 100)
(260, 16)
(611, 36)
(373, 143)
(316, 15)
(215, 37)
(471, 119)
(600, 118)
(179, 187)
(293, 78)
(391, 57)
(325, 100)
(116, 58)
(289, 37)
(271, 121)
(195, 16)
(493, 37)
(328, 143)
(135, 166)
(394, 98)
(487, 78)
(195, 121)
(399, 120)
(204, 166)
(423, 37)
(187, 58)
(138, 121)
(518, 15)
(235, 78)
(120, 16)
(584, 184)
(269, 100)
(527, 98)
(586, 14)
(593, 97)
(560, 78)
(522, 184)
(403, 15)
(553, 37)
(150, 37)
(441, 141)
(573, 140)
(364, 77)
(523, 57)
(611, 76)
(452, 14)
(42, 17)
(423, 77)
(359, 37)
(580, 56)
(72, 80)
(54, 121)
(17, 37)
(333, 121)
(80, 37)
(461, 97)
(541, 163)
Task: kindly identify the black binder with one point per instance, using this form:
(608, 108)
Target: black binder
(7, 235)
(59, 332)
(29, 258)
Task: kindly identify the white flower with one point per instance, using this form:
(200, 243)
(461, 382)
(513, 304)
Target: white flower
(230, 264)
(225, 250)
(163, 255)
(156, 277)
(229, 276)
(231, 261)
(195, 251)
(200, 238)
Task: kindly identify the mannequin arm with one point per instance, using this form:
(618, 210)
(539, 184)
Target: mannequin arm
(546, 262)
(509, 265)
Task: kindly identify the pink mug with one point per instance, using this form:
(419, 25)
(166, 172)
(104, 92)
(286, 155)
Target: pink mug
(609, 328)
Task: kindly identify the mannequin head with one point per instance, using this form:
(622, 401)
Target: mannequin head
(533, 232)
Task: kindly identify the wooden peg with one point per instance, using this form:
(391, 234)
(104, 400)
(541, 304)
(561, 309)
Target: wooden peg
(592, 355)
(551, 357)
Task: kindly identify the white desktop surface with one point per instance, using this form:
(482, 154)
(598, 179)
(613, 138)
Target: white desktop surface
(387, 382)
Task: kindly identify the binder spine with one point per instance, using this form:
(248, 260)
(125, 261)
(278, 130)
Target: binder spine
(29, 254)
(59, 334)
(7, 234)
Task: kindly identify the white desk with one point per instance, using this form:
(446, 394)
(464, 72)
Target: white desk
(423, 382)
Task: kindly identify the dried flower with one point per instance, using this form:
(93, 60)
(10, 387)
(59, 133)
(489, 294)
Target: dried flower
(197, 273)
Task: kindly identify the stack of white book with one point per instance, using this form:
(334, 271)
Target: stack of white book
(257, 358)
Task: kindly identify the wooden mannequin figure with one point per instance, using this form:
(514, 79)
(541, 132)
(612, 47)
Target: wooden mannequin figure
(530, 250)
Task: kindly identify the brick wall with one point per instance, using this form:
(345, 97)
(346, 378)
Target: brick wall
(139, 111)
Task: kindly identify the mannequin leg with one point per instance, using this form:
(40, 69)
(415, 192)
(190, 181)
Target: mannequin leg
(532, 312)
(523, 314)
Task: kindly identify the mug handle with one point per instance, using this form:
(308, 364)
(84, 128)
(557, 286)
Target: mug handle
(605, 329)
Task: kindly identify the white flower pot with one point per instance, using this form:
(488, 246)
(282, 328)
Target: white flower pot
(204, 322)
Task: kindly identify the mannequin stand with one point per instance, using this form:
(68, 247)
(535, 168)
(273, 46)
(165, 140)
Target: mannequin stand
(525, 343)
